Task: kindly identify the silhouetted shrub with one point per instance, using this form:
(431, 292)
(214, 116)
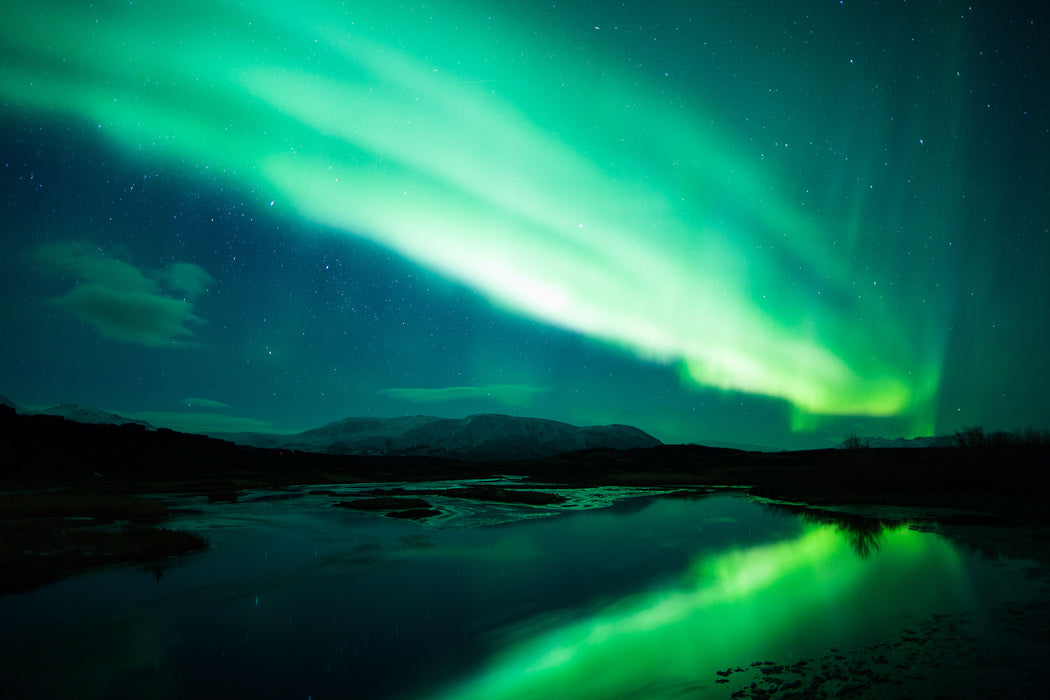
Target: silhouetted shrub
(977, 437)
(853, 442)
(1033, 436)
(971, 437)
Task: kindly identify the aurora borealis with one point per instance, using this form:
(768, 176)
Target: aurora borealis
(739, 224)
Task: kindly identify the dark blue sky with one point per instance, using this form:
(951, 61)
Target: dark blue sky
(740, 224)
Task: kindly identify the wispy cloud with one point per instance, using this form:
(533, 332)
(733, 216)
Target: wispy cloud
(124, 302)
(204, 403)
(515, 395)
(193, 422)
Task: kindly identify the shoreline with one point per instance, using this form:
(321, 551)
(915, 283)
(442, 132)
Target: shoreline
(942, 656)
(64, 484)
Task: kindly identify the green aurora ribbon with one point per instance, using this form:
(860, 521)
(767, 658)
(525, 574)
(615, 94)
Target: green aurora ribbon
(562, 188)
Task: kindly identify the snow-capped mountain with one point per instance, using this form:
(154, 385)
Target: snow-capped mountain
(478, 437)
(87, 414)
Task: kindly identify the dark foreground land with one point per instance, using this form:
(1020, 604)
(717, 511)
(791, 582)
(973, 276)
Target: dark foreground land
(71, 499)
(69, 492)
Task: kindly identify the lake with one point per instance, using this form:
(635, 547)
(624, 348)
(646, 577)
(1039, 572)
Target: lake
(618, 593)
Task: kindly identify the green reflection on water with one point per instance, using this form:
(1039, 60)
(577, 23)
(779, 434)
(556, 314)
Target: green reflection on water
(777, 600)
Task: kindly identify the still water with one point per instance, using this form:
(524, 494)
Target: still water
(618, 594)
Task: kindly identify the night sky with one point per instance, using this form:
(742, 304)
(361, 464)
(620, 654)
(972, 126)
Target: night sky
(760, 223)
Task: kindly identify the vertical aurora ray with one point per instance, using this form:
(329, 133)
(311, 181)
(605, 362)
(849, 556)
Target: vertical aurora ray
(735, 607)
(560, 188)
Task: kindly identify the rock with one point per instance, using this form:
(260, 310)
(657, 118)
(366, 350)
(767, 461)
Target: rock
(414, 513)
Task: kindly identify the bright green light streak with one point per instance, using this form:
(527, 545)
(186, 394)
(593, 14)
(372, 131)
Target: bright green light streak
(608, 211)
(738, 606)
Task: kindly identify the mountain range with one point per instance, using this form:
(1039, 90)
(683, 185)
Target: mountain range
(483, 437)
(77, 413)
(87, 414)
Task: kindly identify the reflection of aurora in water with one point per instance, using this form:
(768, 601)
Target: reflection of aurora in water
(582, 198)
(650, 596)
(775, 600)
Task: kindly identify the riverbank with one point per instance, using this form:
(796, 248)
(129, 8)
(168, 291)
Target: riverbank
(70, 492)
(943, 655)
(48, 534)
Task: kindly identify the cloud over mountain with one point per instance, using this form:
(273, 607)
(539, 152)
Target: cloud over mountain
(515, 395)
(191, 402)
(202, 421)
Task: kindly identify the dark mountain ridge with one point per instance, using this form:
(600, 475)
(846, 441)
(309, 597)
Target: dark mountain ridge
(480, 437)
(43, 448)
